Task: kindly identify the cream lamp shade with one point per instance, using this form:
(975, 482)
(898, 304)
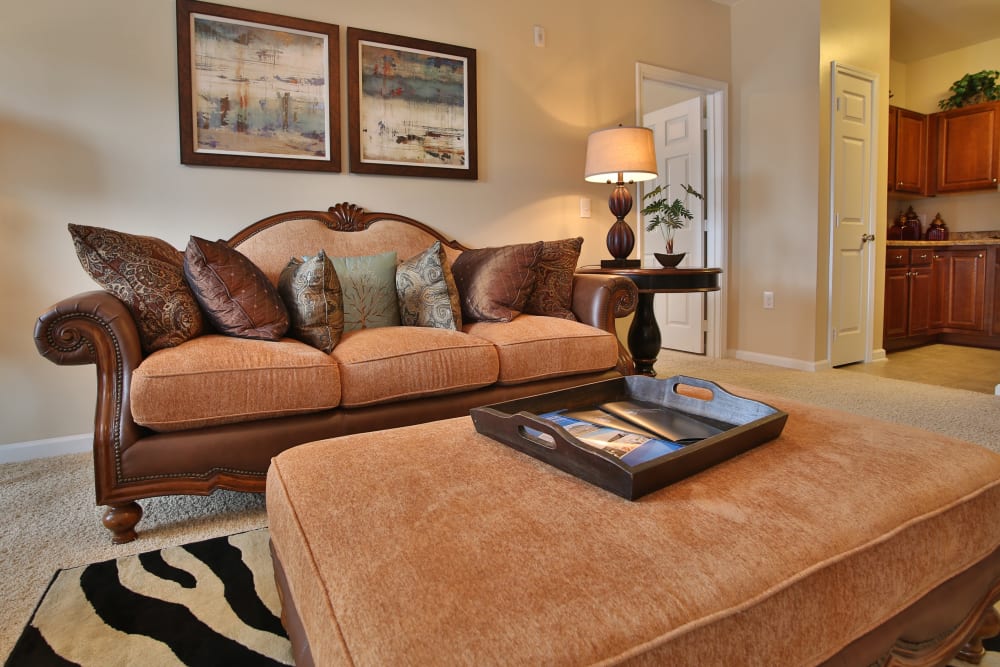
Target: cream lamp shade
(620, 154)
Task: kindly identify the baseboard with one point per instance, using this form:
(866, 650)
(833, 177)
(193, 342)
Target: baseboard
(43, 449)
(783, 362)
(878, 354)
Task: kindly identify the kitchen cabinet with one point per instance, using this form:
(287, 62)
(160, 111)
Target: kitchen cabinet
(963, 285)
(909, 290)
(968, 148)
(908, 141)
(941, 293)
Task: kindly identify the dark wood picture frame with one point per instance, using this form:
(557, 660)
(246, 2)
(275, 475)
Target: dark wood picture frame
(436, 152)
(300, 109)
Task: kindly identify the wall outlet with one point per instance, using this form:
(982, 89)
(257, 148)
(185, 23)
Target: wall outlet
(768, 300)
(584, 207)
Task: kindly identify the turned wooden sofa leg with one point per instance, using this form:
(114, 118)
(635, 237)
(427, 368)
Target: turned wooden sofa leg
(121, 521)
(989, 626)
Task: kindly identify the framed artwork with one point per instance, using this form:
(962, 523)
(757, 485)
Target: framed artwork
(257, 89)
(411, 106)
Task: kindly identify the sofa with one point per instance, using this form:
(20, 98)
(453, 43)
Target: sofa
(187, 404)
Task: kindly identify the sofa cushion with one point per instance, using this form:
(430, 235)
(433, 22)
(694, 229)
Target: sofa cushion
(426, 291)
(495, 283)
(369, 287)
(310, 289)
(147, 274)
(553, 293)
(394, 363)
(236, 296)
(534, 347)
(215, 379)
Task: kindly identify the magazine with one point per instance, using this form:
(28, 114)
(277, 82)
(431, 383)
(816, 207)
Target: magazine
(626, 444)
(663, 422)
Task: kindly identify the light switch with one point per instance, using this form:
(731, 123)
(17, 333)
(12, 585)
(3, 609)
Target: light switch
(584, 207)
(539, 36)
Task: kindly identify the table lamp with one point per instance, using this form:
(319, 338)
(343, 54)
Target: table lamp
(620, 155)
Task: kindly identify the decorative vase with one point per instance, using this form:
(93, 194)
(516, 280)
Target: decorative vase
(669, 260)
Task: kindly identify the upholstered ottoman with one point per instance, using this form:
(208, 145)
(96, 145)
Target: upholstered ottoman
(845, 541)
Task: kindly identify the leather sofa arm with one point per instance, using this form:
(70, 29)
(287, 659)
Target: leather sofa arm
(97, 328)
(598, 300)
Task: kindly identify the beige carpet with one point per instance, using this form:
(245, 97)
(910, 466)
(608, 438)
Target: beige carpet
(51, 521)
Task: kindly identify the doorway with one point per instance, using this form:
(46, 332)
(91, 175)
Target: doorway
(657, 88)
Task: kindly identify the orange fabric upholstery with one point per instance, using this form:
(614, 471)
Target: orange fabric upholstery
(434, 545)
(394, 363)
(532, 347)
(214, 379)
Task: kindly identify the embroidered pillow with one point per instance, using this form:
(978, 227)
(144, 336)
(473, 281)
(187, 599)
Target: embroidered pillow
(495, 283)
(147, 274)
(426, 291)
(310, 290)
(368, 284)
(553, 293)
(235, 295)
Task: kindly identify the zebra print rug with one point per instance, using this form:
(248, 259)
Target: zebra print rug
(206, 603)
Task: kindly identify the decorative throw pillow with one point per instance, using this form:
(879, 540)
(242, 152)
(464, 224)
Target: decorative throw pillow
(235, 295)
(310, 289)
(147, 274)
(426, 291)
(553, 293)
(495, 283)
(369, 287)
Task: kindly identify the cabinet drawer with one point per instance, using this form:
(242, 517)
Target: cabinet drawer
(921, 256)
(896, 257)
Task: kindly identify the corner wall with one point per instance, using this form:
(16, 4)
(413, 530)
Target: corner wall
(88, 126)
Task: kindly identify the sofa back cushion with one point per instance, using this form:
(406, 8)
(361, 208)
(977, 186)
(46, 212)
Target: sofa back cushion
(271, 248)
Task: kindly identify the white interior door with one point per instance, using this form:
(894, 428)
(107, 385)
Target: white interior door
(679, 138)
(852, 154)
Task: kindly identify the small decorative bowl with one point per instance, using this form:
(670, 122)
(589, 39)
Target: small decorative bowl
(669, 261)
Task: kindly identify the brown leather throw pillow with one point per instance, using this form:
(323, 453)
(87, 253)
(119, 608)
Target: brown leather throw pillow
(495, 283)
(235, 295)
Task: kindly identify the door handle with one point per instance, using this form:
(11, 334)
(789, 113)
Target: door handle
(867, 237)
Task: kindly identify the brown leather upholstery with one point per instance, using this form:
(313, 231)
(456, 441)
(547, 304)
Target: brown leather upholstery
(131, 462)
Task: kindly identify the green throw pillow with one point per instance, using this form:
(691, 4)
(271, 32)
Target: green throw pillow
(368, 284)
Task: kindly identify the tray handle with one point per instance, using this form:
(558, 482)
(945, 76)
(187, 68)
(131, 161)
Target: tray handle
(493, 422)
(718, 402)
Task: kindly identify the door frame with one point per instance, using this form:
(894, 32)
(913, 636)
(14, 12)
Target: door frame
(716, 95)
(873, 79)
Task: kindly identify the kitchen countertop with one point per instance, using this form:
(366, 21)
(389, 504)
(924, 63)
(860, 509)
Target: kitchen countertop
(955, 238)
(940, 244)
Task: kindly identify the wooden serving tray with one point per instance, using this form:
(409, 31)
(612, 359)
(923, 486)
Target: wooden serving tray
(744, 423)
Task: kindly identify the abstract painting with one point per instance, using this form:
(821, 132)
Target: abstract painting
(257, 89)
(411, 106)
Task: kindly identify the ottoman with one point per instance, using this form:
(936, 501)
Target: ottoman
(845, 541)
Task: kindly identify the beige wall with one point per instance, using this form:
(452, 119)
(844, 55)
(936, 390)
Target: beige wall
(88, 134)
(921, 85)
(782, 51)
(775, 123)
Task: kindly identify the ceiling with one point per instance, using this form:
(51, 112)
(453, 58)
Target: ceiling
(923, 28)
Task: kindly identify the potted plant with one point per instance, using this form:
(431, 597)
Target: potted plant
(973, 89)
(667, 216)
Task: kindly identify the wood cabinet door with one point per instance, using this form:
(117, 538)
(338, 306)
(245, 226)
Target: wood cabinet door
(893, 122)
(922, 285)
(897, 298)
(966, 297)
(968, 148)
(995, 253)
(911, 152)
